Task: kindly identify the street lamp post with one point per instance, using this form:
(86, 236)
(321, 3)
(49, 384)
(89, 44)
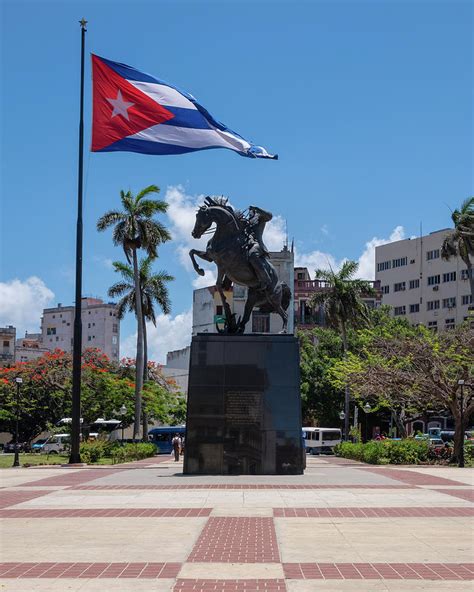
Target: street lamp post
(16, 459)
(123, 412)
(342, 417)
(367, 409)
(461, 452)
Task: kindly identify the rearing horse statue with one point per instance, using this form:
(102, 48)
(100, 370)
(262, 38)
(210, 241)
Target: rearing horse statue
(229, 250)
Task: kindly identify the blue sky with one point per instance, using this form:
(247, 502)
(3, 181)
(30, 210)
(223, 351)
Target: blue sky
(368, 104)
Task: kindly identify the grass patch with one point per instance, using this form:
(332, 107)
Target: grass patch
(6, 460)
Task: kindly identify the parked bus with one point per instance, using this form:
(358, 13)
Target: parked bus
(321, 440)
(163, 435)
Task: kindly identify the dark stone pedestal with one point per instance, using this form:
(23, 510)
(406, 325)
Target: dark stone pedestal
(244, 407)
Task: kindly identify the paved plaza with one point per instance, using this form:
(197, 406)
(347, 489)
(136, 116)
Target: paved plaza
(343, 526)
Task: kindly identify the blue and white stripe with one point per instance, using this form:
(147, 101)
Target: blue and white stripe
(193, 127)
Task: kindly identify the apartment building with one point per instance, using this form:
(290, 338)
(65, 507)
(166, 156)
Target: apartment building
(207, 305)
(421, 286)
(100, 327)
(305, 288)
(7, 345)
(30, 347)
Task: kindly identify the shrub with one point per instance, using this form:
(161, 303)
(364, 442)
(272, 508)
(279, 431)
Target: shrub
(382, 452)
(130, 452)
(93, 451)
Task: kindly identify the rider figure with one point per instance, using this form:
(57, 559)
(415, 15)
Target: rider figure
(258, 253)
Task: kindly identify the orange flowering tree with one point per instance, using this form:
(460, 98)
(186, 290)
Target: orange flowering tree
(45, 393)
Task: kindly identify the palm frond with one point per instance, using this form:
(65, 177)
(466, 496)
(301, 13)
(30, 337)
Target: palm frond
(108, 219)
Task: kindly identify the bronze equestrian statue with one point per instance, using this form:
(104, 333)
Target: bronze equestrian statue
(238, 250)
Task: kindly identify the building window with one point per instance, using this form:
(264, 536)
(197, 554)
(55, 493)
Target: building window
(300, 275)
(68, 324)
(465, 274)
(54, 316)
(6, 344)
(449, 302)
(51, 331)
(414, 284)
(414, 308)
(432, 255)
(260, 322)
(432, 305)
(385, 289)
(384, 265)
(114, 339)
(57, 338)
(399, 310)
(89, 338)
(449, 277)
(114, 328)
(400, 287)
(434, 280)
(88, 325)
(433, 325)
(399, 262)
(467, 299)
(450, 323)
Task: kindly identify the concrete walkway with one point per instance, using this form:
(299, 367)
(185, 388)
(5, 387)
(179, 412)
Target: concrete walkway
(343, 526)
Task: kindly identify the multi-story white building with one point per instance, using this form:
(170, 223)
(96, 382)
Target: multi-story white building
(100, 327)
(207, 305)
(421, 286)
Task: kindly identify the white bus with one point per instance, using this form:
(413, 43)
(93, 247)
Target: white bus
(321, 440)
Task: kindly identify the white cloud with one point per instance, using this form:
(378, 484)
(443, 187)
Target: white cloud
(367, 259)
(321, 260)
(170, 333)
(275, 234)
(203, 281)
(324, 229)
(22, 303)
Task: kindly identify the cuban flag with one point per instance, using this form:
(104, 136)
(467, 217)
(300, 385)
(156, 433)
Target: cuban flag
(135, 112)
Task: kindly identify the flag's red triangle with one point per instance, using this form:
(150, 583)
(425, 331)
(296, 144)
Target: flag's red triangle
(120, 109)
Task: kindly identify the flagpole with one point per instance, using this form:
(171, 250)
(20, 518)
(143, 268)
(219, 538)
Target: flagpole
(75, 456)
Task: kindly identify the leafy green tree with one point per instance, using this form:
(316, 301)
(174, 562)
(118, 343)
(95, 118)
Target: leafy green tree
(343, 307)
(153, 290)
(321, 399)
(135, 228)
(461, 240)
(415, 370)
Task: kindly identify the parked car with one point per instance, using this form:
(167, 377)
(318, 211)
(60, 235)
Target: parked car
(22, 447)
(56, 444)
(38, 445)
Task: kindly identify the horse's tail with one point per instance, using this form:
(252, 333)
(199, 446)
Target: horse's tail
(285, 300)
(285, 296)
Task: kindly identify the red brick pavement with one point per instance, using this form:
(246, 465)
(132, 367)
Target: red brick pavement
(89, 570)
(239, 486)
(11, 498)
(237, 540)
(107, 513)
(396, 512)
(466, 494)
(375, 571)
(208, 585)
(412, 477)
(71, 478)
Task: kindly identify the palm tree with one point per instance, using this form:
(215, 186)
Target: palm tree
(135, 228)
(153, 290)
(461, 240)
(341, 300)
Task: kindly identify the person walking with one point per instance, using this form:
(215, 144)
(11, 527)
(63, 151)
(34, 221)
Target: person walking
(176, 442)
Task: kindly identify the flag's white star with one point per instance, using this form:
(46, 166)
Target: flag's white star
(120, 106)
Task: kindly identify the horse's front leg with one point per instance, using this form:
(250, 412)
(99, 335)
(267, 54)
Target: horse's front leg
(229, 316)
(201, 254)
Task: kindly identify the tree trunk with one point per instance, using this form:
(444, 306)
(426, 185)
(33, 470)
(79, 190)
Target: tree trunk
(139, 356)
(459, 430)
(145, 378)
(347, 394)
